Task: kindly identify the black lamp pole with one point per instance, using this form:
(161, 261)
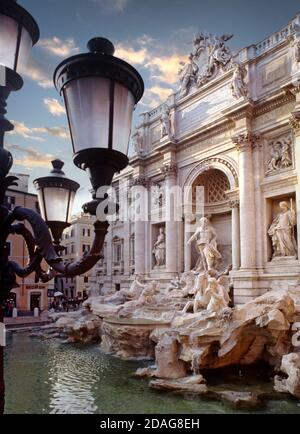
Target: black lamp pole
(100, 93)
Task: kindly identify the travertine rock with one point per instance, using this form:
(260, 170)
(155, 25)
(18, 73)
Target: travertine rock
(167, 361)
(257, 331)
(127, 341)
(79, 327)
(194, 384)
(291, 367)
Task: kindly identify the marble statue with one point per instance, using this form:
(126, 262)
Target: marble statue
(220, 53)
(159, 248)
(282, 232)
(124, 295)
(165, 121)
(185, 286)
(280, 155)
(187, 75)
(206, 241)
(210, 55)
(147, 297)
(219, 296)
(295, 45)
(138, 143)
(238, 85)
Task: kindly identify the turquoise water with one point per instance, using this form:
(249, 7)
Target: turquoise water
(50, 377)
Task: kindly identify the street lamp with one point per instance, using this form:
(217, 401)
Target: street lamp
(56, 195)
(100, 92)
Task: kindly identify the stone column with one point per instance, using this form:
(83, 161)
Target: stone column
(235, 224)
(258, 174)
(295, 124)
(170, 172)
(140, 192)
(244, 143)
(187, 249)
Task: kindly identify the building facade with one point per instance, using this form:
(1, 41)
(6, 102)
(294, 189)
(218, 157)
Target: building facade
(77, 240)
(29, 294)
(232, 128)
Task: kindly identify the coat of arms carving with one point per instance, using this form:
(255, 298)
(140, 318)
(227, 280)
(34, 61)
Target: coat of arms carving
(210, 55)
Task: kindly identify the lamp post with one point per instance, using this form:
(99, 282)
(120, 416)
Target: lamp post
(100, 92)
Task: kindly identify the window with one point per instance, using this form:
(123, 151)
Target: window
(86, 232)
(10, 202)
(72, 233)
(118, 250)
(86, 279)
(72, 248)
(118, 287)
(86, 248)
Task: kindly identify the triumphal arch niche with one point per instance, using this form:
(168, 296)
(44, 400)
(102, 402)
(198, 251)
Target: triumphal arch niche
(232, 125)
(218, 182)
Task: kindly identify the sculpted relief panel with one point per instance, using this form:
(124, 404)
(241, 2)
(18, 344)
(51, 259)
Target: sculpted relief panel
(279, 154)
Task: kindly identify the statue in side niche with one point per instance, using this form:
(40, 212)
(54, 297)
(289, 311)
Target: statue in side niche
(238, 85)
(282, 232)
(206, 242)
(159, 248)
(138, 144)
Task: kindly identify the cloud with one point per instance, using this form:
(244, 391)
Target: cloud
(20, 129)
(31, 133)
(29, 157)
(54, 106)
(58, 47)
(155, 95)
(38, 72)
(132, 55)
(162, 63)
(112, 5)
(61, 132)
(165, 68)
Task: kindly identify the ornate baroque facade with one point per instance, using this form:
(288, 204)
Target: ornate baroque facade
(233, 127)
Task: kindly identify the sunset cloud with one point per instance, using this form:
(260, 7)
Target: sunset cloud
(29, 157)
(155, 96)
(59, 47)
(54, 106)
(34, 133)
(38, 72)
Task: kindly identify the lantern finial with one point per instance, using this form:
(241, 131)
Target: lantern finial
(101, 45)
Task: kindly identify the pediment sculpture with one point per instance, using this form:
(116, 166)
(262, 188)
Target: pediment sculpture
(209, 56)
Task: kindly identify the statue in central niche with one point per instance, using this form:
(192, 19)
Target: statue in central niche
(206, 243)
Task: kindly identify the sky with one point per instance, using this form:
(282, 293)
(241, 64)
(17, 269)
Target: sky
(152, 35)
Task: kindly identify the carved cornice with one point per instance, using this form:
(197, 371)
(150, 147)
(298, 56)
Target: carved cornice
(295, 121)
(246, 141)
(243, 112)
(169, 170)
(295, 89)
(274, 103)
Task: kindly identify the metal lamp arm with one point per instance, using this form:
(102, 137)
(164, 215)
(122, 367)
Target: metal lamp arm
(35, 257)
(89, 260)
